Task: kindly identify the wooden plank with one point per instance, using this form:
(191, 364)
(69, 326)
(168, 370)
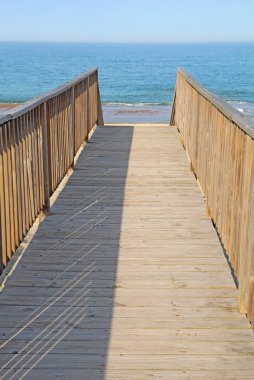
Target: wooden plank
(72, 129)
(225, 149)
(10, 195)
(6, 191)
(126, 277)
(14, 187)
(88, 108)
(3, 242)
(99, 106)
(244, 122)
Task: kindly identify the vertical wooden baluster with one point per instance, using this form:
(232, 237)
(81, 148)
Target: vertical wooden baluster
(73, 122)
(3, 242)
(6, 192)
(14, 183)
(88, 108)
(10, 194)
(223, 163)
(45, 157)
(18, 172)
(100, 120)
(37, 147)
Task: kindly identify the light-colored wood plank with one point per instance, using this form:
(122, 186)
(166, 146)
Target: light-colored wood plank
(219, 143)
(126, 277)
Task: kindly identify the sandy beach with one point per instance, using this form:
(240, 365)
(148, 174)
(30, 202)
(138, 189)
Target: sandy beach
(155, 114)
(125, 114)
(136, 114)
(144, 113)
(6, 106)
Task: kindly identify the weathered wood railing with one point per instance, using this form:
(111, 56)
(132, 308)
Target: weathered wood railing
(219, 141)
(38, 142)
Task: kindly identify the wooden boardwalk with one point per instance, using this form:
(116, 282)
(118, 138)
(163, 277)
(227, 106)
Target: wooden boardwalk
(126, 278)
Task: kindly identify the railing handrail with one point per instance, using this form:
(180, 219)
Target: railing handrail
(39, 141)
(244, 122)
(219, 141)
(22, 108)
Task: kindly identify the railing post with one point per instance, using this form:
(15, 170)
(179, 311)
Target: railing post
(100, 120)
(1, 248)
(34, 152)
(45, 157)
(73, 122)
(88, 107)
(1, 205)
(172, 114)
(220, 142)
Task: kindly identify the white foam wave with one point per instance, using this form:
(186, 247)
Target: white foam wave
(123, 104)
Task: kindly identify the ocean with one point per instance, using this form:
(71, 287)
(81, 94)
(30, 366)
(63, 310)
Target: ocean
(136, 80)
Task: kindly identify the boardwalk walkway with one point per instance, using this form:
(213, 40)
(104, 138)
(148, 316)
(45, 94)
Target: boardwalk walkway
(126, 278)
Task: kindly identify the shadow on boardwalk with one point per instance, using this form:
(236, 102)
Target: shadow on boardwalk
(56, 309)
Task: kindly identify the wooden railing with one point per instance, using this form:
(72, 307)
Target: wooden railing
(38, 142)
(219, 141)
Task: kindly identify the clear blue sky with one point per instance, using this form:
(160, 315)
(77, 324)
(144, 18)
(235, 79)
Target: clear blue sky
(127, 21)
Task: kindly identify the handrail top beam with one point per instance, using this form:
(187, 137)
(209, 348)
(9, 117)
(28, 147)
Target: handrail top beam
(244, 122)
(20, 109)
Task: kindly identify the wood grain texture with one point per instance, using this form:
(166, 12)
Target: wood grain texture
(38, 145)
(125, 278)
(220, 145)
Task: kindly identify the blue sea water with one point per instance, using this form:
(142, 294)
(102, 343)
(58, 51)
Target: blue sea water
(139, 75)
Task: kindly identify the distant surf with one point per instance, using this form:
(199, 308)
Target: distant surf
(146, 112)
(155, 113)
(136, 80)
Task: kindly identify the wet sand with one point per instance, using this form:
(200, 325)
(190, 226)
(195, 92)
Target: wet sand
(6, 106)
(155, 114)
(125, 114)
(144, 113)
(136, 114)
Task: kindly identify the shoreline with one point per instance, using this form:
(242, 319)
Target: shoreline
(143, 113)
(125, 113)
(6, 106)
(136, 113)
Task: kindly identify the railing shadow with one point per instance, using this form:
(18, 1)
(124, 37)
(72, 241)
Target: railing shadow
(57, 307)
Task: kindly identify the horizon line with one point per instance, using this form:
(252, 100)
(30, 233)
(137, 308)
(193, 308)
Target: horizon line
(126, 42)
